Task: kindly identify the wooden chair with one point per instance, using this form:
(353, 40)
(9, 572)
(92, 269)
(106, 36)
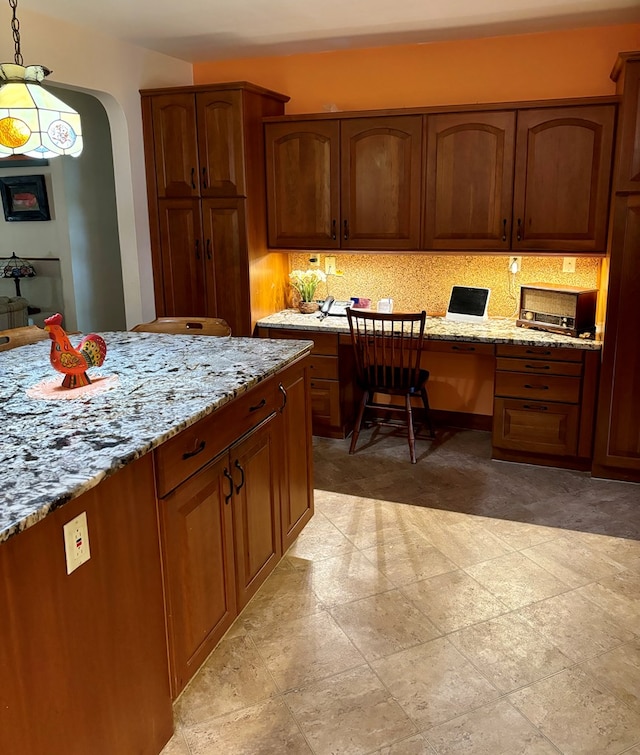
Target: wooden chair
(387, 350)
(14, 337)
(199, 326)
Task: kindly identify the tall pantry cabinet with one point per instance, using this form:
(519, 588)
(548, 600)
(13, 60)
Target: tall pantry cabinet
(204, 156)
(617, 444)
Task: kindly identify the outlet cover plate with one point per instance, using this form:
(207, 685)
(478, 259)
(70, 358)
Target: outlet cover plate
(76, 542)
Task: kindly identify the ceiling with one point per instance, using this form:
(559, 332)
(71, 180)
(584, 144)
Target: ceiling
(198, 30)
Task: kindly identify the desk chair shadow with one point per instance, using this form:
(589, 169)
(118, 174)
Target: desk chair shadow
(387, 350)
(194, 326)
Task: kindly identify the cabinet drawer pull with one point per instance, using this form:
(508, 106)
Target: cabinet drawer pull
(544, 353)
(283, 391)
(237, 465)
(537, 387)
(463, 348)
(504, 229)
(258, 405)
(333, 230)
(198, 449)
(536, 408)
(229, 496)
(538, 366)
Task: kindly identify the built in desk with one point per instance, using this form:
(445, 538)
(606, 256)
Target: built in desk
(534, 390)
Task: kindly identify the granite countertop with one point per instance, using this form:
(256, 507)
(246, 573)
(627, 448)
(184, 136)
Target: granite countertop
(494, 330)
(53, 451)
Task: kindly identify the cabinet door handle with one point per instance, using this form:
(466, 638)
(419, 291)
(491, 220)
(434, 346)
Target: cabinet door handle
(197, 249)
(237, 465)
(193, 178)
(504, 229)
(463, 348)
(258, 406)
(283, 391)
(333, 229)
(346, 229)
(208, 249)
(538, 366)
(536, 408)
(204, 179)
(198, 449)
(537, 387)
(520, 233)
(229, 496)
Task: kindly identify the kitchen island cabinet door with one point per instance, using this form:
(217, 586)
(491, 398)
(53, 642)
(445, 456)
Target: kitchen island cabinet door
(297, 479)
(256, 469)
(173, 130)
(197, 536)
(303, 184)
(562, 179)
(469, 181)
(381, 176)
(182, 258)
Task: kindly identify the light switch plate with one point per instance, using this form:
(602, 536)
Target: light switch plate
(76, 542)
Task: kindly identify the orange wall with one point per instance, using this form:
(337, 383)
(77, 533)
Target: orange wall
(573, 63)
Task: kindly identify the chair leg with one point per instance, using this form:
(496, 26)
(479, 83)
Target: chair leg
(356, 427)
(412, 437)
(427, 410)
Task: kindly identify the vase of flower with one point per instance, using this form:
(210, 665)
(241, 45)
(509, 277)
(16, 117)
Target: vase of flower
(305, 283)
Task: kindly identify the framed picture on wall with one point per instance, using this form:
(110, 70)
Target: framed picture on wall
(24, 198)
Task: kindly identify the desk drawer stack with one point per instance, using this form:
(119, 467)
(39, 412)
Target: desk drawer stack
(543, 405)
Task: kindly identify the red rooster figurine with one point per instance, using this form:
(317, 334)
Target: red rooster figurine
(73, 362)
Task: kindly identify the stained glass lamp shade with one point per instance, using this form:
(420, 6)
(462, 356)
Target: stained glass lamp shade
(33, 121)
(16, 268)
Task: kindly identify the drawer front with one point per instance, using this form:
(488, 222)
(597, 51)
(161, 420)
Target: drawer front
(323, 367)
(460, 347)
(538, 387)
(324, 343)
(190, 450)
(325, 403)
(540, 352)
(537, 427)
(540, 366)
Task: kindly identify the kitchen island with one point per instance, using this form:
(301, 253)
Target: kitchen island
(533, 389)
(83, 656)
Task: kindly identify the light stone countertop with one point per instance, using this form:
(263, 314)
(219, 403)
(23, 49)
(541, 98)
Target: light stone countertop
(494, 330)
(53, 451)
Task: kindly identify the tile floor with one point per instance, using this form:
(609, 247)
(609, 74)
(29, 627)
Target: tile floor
(456, 606)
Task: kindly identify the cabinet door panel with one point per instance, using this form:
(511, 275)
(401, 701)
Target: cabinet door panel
(562, 178)
(381, 182)
(536, 427)
(182, 257)
(225, 252)
(628, 162)
(256, 508)
(220, 144)
(175, 145)
(469, 180)
(303, 184)
(198, 549)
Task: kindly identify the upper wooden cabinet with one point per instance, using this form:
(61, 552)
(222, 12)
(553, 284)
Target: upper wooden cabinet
(523, 179)
(469, 180)
(204, 154)
(562, 179)
(353, 184)
(626, 74)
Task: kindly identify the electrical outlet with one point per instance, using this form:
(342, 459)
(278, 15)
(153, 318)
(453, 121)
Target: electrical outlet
(568, 264)
(515, 264)
(76, 542)
(330, 265)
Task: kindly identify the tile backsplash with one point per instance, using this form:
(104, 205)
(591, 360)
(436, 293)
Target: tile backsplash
(424, 281)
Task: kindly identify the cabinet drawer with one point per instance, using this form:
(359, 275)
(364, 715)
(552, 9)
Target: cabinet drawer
(537, 427)
(323, 367)
(540, 352)
(325, 403)
(324, 343)
(541, 366)
(538, 387)
(190, 450)
(460, 347)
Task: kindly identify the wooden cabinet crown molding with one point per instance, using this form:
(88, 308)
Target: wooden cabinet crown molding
(195, 88)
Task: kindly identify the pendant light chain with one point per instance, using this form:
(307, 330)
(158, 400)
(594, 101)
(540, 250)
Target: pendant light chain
(15, 26)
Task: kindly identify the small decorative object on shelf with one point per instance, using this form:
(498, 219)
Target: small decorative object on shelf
(74, 363)
(305, 282)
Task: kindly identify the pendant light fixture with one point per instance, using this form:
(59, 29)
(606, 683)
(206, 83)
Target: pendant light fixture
(33, 122)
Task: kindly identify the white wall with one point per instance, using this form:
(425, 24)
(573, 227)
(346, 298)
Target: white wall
(114, 72)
